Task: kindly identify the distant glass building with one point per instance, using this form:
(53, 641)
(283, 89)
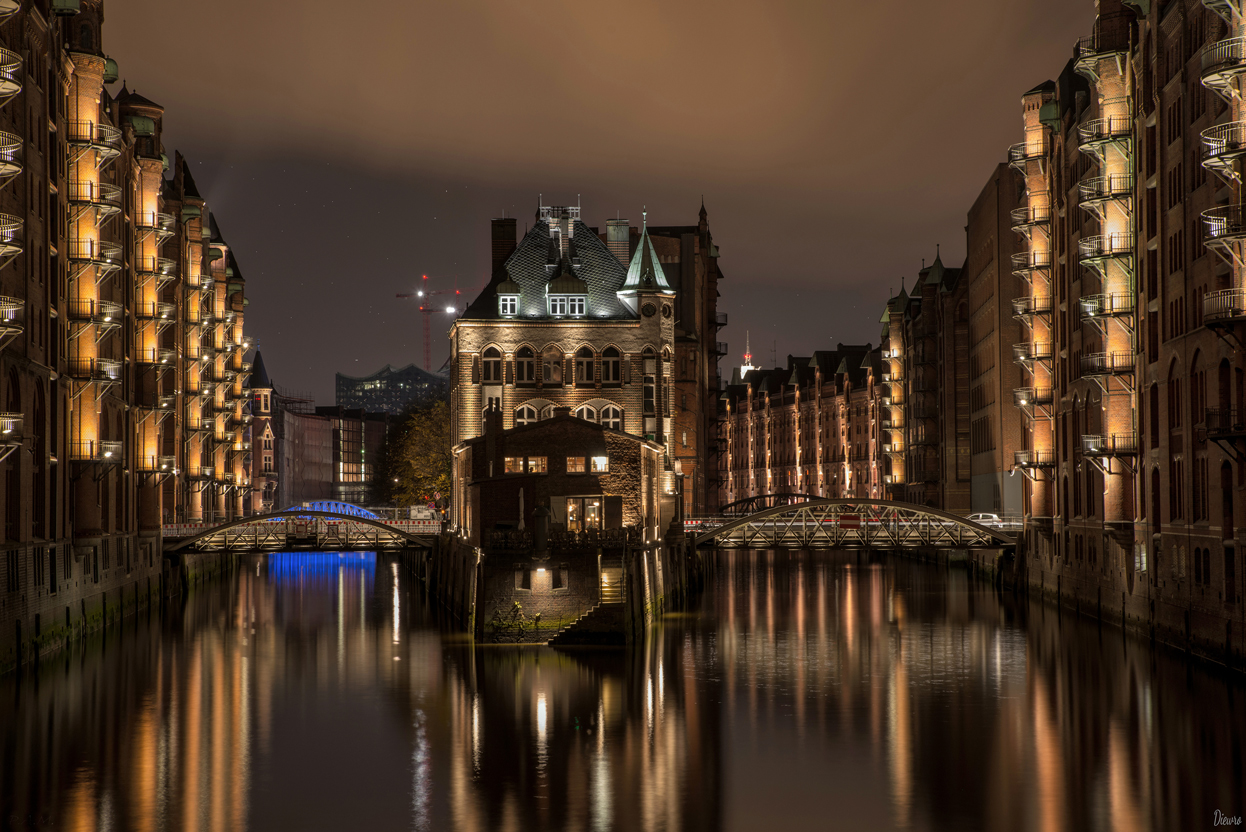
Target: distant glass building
(388, 390)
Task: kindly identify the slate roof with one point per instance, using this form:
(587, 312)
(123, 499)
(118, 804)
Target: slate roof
(529, 267)
(259, 374)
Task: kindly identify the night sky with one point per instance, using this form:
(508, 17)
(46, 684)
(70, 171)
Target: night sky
(346, 149)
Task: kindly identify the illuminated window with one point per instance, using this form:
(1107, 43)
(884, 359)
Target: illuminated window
(514, 465)
(575, 465)
(558, 305)
(492, 366)
(537, 465)
(508, 304)
(584, 366)
(600, 464)
(575, 305)
(610, 367)
(525, 366)
(525, 415)
(612, 417)
(586, 412)
(551, 366)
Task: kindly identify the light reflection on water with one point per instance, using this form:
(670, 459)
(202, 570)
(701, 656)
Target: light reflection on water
(802, 691)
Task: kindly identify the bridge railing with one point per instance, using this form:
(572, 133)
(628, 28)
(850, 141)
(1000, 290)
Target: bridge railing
(294, 524)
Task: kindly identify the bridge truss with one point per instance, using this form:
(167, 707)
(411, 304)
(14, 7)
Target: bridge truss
(846, 524)
(306, 529)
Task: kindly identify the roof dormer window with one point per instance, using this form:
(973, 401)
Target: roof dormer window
(561, 306)
(508, 305)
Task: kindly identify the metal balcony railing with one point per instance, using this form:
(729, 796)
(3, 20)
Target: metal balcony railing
(1117, 444)
(1029, 306)
(105, 370)
(720, 319)
(1028, 351)
(1224, 305)
(1106, 306)
(201, 472)
(1034, 459)
(104, 139)
(1120, 244)
(1028, 261)
(11, 235)
(1222, 62)
(95, 252)
(1029, 216)
(1032, 396)
(1223, 144)
(157, 464)
(159, 311)
(1110, 37)
(1100, 188)
(159, 355)
(160, 266)
(102, 313)
(1111, 128)
(12, 313)
(10, 74)
(11, 147)
(1022, 152)
(1225, 224)
(100, 450)
(155, 221)
(1225, 422)
(1107, 363)
(106, 198)
(11, 426)
(720, 348)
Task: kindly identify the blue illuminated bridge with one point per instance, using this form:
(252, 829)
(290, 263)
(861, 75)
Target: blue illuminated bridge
(800, 521)
(319, 526)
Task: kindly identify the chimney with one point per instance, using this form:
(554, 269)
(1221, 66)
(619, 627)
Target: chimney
(503, 240)
(618, 240)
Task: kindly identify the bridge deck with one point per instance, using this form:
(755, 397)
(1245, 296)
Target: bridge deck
(304, 530)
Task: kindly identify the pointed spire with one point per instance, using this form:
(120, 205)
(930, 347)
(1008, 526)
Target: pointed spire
(645, 272)
(748, 348)
(703, 223)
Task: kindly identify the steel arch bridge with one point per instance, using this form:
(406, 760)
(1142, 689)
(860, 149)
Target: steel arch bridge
(750, 505)
(848, 524)
(300, 528)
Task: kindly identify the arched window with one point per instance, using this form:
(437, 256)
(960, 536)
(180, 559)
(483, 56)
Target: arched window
(525, 366)
(492, 366)
(547, 412)
(584, 366)
(611, 367)
(525, 415)
(612, 417)
(551, 366)
(586, 412)
(1154, 426)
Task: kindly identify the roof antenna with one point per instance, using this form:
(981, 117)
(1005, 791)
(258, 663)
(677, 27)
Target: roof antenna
(644, 215)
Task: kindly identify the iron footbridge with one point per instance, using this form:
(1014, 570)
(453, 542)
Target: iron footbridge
(301, 529)
(846, 524)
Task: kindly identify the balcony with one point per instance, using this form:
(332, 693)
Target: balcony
(1022, 152)
(164, 404)
(10, 433)
(1223, 145)
(1024, 262)
(1107, 364)
(1224, 306)
(223, 374)
(1224, 226)
(104, 256)
(11, 146)
(1092, 251)
(720, 347)
(105, 199)
(162, 225)
(1025, 219)
(162, 312)
(1114, 128)
(162, 268)
(1110, 38)
(243, 445)
(1106, 306)
(201, 472)
(1033, 459)
(157, 464)
(12, 313)
(1026, 397)
(159, 356)
(1222, 63)
(8, 8)
(10, 74)
(11, 236)
(101, 313)
(720, 320)
(103, 139)
(97, 370)
(1027, 307)
(99, 450)
(1117, 444)
(1028, 352)
(1101, 189)
(202, 425)
(1225, 423)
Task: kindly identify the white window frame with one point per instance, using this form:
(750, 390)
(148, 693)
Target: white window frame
(508, 305)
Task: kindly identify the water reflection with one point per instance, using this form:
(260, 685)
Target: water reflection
(803, 691)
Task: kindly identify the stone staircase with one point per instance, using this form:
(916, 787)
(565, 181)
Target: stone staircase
(601, 626)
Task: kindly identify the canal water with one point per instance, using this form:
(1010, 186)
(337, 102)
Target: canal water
(801, 691)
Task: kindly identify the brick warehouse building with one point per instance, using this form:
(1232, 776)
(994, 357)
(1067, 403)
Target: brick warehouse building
(121, 324)
(618, 327)
(1088, 372)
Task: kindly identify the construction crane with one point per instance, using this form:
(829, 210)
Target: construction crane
(425, 295)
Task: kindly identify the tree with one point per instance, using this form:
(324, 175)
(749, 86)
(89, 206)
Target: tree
(415, 462)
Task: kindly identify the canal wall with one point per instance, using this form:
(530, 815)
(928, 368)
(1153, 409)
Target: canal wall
(514, 597)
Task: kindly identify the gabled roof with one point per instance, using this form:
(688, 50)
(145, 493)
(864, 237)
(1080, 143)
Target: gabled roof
(188, 182)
